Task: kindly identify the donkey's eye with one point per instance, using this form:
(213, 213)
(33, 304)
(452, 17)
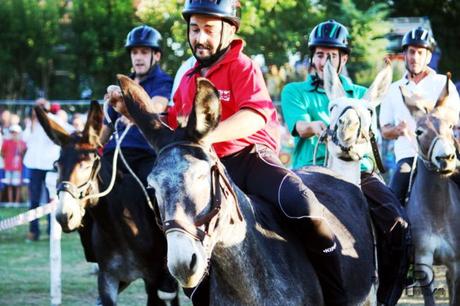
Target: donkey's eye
(419, 132)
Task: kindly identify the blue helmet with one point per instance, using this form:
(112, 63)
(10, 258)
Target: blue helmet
(143, 36)
(329, 34)
(419, 37)
(228, 10)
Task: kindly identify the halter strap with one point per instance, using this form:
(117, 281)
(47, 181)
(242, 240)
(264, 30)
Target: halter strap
(221, 190)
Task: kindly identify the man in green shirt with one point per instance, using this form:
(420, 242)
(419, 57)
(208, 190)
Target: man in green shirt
(305, 110)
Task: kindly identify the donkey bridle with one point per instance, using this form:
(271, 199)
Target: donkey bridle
(79, 192)
(221, 190)
(333, 133)
(370, 137)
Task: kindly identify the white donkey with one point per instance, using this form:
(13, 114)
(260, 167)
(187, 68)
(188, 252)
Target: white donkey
(349, 133)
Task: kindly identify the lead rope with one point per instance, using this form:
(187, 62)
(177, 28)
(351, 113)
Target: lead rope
(144, 190)
(321, 139)
(114, 164)
(411, 177)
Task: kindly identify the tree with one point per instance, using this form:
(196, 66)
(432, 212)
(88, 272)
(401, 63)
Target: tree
(95, 43)
(30, 30)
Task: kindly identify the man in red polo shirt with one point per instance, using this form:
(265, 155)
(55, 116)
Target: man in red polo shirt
(246, 139)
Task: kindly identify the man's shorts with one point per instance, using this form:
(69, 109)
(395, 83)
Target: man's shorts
(12, 178)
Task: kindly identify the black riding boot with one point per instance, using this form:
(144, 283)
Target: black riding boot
(328, 268)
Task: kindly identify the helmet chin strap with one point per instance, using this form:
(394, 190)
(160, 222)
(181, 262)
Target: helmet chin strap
(209, 61)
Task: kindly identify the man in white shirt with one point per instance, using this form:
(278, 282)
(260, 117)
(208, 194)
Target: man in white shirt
(39, 159)
(395, 119)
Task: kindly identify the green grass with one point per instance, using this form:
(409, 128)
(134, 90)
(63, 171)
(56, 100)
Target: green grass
(25, 270)
(25, 273)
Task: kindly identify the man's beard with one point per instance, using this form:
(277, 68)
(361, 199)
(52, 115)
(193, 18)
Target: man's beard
(202, 58)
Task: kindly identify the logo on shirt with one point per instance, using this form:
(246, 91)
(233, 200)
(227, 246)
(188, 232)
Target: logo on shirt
(224, 95)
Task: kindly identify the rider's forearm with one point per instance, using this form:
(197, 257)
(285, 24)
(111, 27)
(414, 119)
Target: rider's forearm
(106, 132)
(242, 124)
(159, 104)
(390, 132)
(304, 129)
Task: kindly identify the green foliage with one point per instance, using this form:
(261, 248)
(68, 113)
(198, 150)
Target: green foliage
(165, 16)
(62, 47)
(29, 31)
(95, 43)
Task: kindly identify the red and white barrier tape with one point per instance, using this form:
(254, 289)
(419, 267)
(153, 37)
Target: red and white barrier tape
(28, 216)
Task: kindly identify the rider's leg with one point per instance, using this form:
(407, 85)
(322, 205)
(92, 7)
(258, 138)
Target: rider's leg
(392, 238)
(37, 181)
(400, 180)
(259, 172)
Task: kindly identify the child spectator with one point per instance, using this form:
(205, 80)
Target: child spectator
(13, 150)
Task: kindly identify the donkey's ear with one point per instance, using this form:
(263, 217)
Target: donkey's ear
(332, 85)
(444, 93)
(93, 125)
(205, 114)
(140, 109)
(380, 86)
(54, 131)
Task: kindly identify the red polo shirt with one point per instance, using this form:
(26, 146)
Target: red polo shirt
(241, 85)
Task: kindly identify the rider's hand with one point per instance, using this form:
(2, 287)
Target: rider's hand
(308, 129)
(401, 129)
(115, 99)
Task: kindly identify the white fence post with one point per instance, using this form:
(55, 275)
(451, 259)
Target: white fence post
(55, 244)
(55, 261)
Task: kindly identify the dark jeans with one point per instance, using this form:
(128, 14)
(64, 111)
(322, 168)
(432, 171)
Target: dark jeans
(400, 181)
(36, 187)
(393, 237)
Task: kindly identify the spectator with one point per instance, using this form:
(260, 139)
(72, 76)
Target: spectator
(39, 158)
(13, 150)
(77, 122)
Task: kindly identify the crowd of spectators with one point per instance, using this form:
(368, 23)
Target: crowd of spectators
(27, 156)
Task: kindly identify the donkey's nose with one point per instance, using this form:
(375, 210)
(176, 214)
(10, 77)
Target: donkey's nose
(193, 262)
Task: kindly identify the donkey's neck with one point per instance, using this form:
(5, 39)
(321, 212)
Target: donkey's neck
(440, 191)
(239, 267)
(349, 170)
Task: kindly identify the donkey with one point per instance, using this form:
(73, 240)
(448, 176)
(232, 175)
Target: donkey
(349, 134)
(127, 242)
(213, 228)
(434, 202)
(350, 140)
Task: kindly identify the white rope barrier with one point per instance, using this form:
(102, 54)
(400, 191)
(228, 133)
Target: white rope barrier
(28, 216)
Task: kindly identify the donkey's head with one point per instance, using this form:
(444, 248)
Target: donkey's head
(351, 119)
(434, 132)
(195, 199)
(78, 165)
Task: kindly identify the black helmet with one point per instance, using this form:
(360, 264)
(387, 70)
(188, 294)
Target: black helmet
(225, 9)
(143, 36)
(419, 37)
(329, 34)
